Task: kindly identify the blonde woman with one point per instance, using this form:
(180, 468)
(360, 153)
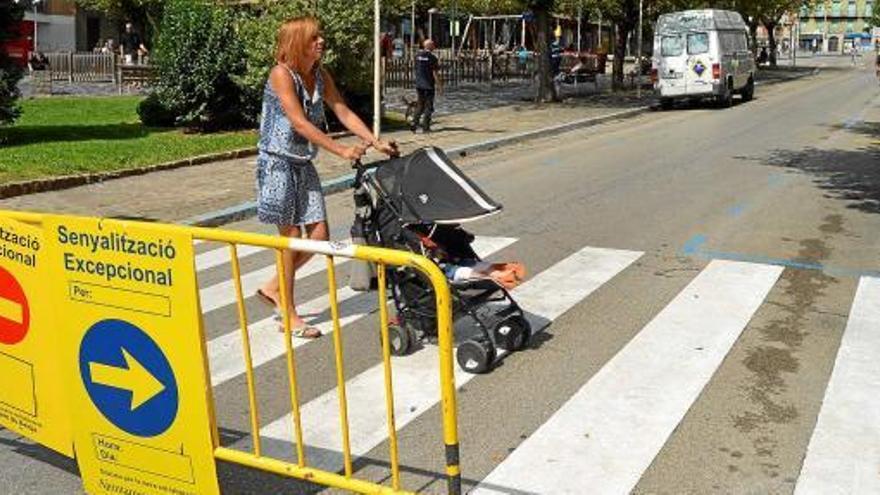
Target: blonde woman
(291, 132)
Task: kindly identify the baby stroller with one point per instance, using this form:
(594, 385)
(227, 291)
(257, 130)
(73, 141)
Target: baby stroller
(416, 203)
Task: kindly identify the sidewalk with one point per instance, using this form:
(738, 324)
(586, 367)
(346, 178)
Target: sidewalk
(180, 194)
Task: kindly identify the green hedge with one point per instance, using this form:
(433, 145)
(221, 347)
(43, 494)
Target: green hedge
(214, 60)
(198, 55)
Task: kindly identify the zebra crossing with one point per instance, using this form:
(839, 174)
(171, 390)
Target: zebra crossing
(610, 430)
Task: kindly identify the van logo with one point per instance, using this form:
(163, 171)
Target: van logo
(699, 68)
(423, 198)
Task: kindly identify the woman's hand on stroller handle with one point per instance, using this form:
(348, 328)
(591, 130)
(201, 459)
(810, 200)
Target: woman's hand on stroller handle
(387, 147)
(354, 153)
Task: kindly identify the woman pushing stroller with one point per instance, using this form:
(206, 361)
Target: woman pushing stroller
(292, 129)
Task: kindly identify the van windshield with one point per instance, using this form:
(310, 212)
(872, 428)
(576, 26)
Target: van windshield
(698, 43)
(671, 46)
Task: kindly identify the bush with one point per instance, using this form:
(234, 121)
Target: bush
(154, 114)
(10, 74)
(197, 57)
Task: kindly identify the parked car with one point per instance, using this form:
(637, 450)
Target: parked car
(702, 54)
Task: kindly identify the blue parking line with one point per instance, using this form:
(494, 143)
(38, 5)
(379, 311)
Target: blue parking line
(693, 248)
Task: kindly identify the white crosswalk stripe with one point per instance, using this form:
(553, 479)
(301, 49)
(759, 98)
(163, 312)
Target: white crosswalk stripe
(223, 293)
(416, 384)
(225, 352)
(844, 452)
(220, 256)
(610, 431)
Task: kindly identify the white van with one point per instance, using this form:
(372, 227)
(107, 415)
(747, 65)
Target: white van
(702, 54)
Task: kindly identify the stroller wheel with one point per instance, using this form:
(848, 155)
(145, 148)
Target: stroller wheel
(513, 333)
(475, 356)
(400, 340)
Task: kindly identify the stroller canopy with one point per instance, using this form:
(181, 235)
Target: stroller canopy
(426, 186)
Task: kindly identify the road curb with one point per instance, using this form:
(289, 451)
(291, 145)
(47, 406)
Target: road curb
(13, 189)
(249, 209)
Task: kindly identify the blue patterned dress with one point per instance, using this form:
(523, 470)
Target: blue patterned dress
(288, 187)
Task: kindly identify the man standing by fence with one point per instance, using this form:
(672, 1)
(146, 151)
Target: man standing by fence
(427, 78)
(131, 45)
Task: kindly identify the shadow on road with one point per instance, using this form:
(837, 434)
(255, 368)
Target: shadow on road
(851, 175)
(39, 453)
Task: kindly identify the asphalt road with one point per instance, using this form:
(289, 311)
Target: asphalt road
(693, 272)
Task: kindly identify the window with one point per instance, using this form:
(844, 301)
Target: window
(820, 10)
(835, 8)
(671, 46)
(851, 8)
(698, 43)
(869, 8)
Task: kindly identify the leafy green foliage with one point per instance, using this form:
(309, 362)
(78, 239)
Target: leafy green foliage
(154, 114)
(347, 27)
(197, 55)
(10, 74)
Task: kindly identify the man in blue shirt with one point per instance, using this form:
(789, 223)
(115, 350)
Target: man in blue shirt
(427, 78)
(555, 58)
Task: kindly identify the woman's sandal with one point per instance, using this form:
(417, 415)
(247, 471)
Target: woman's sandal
(304, 331)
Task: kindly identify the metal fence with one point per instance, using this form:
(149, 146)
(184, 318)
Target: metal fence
(483, 66)
(83, 66)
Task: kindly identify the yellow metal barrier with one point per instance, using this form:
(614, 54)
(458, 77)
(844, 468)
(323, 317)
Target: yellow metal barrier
(382, 258)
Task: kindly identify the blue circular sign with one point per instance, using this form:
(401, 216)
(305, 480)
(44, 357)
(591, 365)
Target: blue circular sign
(128, 378)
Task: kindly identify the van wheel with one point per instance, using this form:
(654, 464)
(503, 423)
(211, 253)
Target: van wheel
(749, 91)
(725, 100)
(666, 103)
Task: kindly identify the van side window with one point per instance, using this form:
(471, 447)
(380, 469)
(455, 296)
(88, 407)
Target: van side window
(728, 43)
(697, 43)
(671, 46)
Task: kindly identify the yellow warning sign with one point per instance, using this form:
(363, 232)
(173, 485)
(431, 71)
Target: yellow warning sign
(32, 400)
(135, 363)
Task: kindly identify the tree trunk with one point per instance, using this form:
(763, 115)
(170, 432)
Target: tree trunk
(771, 40)
(753, 34)
(622, 33)
(546, 90)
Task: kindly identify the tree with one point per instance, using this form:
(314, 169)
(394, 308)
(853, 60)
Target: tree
(874, 21)
(10, 14)
(768, 13)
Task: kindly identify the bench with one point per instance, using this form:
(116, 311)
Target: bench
(137, 75)
(591, 66)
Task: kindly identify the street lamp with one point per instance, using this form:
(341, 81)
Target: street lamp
(431, 12)
(639, 55)
(377, 78)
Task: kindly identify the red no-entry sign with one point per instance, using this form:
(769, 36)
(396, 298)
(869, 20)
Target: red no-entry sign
(15, 313)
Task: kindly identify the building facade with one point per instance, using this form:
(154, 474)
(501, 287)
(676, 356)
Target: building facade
(61, 26)
(55, 22)
(835, 26)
